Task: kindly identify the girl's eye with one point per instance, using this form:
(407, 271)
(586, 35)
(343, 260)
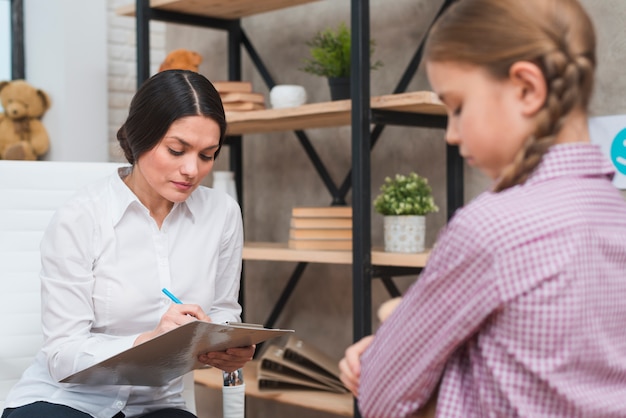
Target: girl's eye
(457, 111)
(206, 157)
(175, 153)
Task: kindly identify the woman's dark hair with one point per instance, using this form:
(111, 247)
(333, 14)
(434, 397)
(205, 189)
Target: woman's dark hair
(163, 99)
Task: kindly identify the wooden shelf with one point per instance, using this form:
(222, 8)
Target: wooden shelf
(326, 114)
(338, 404)
(223, 9)
(270, 251)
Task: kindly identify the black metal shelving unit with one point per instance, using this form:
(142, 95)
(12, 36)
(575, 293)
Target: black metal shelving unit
(363, 140)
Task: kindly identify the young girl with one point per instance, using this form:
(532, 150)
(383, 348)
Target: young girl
(521, 310)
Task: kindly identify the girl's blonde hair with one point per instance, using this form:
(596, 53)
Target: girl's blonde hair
(557, 35)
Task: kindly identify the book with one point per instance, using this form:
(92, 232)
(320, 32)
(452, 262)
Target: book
(295, 233)
(172, 354)
(233, 86)
(243, 106)
(322, 212)
(236, 97)
(321, 223)
(320, 244)
(298, 365)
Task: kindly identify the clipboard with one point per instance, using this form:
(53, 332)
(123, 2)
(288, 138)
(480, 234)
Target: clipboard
(170, 355)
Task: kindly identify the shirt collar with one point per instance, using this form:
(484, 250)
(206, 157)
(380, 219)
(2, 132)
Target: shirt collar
(572, 160)
(192, 205)
(123, 198)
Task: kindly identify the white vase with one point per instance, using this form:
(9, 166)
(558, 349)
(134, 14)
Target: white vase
(404, 234)
(225, 181)
(287, 95)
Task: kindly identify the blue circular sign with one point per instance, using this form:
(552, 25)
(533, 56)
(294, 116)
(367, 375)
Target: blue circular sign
(618, 151)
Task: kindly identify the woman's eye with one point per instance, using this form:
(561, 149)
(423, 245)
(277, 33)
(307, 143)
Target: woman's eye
(175, 153)
(206, 157)
(457, 111)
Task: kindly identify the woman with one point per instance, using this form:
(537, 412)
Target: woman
(110, 250)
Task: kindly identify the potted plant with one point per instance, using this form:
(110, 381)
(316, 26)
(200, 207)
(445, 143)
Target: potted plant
(330, 57)
(404, 201)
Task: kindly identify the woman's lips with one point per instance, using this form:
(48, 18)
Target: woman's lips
(182, 185)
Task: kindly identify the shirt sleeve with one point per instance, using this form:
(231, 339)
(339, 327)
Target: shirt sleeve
(67, 282)
(228, 277)
(455, 293)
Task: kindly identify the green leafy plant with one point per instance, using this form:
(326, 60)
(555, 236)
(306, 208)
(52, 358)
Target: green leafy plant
(405, 195)
(330, 53)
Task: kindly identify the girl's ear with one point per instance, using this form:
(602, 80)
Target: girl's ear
(531, 86)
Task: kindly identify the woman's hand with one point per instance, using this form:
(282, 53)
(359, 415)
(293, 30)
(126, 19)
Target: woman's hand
(176, 315)
(229, 360)
(350, 365)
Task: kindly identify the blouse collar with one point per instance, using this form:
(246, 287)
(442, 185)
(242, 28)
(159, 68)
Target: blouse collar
(123, 198)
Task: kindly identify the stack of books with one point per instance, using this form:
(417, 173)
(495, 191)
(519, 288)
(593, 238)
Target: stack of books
(299, 366)
(238, 96)
(321, 228)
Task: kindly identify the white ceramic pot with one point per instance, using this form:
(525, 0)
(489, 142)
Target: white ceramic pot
(287, 95)
(225, 181)
(404, 234)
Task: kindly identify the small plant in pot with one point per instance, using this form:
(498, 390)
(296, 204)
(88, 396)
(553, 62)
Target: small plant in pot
(330, 57)
(404, 201)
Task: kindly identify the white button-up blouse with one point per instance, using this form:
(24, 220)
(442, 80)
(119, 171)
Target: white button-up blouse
(104, 263)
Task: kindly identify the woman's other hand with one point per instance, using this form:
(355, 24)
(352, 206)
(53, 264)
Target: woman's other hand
(229, 360)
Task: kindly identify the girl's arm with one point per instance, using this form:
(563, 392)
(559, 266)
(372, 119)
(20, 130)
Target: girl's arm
(454, 295)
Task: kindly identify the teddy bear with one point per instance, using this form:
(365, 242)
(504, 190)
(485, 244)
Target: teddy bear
(181, 59)
(22, 135)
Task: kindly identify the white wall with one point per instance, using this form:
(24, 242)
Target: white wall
(66, 56)
(122, 65)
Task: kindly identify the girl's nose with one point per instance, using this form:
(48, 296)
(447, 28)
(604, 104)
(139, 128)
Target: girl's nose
(452, 135)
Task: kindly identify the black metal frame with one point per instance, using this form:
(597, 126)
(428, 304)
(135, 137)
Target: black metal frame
(363, 140)
(18, 64)
(361, 163)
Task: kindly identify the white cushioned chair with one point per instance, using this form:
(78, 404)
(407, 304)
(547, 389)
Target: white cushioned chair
(30, 192)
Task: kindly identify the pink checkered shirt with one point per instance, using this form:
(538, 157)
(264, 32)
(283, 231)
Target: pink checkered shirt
(521, 310)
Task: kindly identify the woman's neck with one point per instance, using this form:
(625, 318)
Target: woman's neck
(158, 207)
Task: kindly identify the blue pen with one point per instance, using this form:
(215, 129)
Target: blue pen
(230, 379)
(171, 296)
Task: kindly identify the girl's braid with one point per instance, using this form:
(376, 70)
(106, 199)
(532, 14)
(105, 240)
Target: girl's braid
(565, 77)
